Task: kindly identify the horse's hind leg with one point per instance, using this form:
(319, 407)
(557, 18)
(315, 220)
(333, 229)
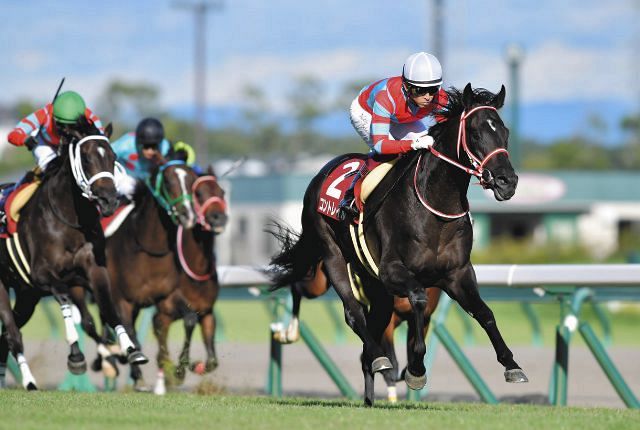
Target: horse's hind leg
(465, 292)
(378, 318)
(11, 339)
(387, 344)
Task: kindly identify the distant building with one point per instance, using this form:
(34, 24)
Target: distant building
(592, 208)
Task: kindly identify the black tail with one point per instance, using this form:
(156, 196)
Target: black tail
(298, 259)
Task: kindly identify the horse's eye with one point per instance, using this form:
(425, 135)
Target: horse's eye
(475, 135)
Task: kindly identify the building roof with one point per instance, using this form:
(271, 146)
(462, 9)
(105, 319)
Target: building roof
(569, 191)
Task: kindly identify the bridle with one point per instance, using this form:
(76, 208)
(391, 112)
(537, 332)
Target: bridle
(75, 160)
(169, 204)
(477, 164)
(202, 208)
(202, 220)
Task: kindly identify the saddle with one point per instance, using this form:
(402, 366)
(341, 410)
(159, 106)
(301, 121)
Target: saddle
(338, 180)
(16, 200)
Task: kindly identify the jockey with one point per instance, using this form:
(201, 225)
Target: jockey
(40, 131)
(388, 114)
(140, 151)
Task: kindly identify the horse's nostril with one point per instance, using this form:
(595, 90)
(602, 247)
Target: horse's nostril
(502, 180)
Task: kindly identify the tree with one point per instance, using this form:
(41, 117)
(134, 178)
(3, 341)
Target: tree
(128, 102)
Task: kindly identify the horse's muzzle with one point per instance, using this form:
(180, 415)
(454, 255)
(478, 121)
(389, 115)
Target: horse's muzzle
(217, 221)
(504, 186)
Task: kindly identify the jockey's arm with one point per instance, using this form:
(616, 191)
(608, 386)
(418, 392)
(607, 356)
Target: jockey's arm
(26, 127)
(381, 140)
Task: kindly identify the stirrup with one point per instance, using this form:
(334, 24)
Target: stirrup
(349, 210)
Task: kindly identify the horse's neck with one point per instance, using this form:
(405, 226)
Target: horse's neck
(197, 246)
(444, 185)
(66, 199)
(152, 220)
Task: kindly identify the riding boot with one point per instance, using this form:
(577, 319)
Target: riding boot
(348, 207)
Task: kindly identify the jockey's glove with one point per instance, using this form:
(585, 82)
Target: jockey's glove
(422, 141)
(30, 143)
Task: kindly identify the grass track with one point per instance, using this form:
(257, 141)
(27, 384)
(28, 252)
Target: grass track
(58, 410)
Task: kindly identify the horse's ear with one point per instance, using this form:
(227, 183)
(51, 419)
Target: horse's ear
(210, 170)
(467, 96)
(108, 130)
(498, 100)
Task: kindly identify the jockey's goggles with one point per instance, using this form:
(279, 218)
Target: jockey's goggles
(415, 91)
(150, 146)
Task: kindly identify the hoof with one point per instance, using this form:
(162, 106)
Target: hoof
(31, 387)
(515, 376)
(110, 367)
(136, 357)
(381, 363)
(96, 365)
(199, 368)
(415, 382)
(140, 387)
(180, 374)
(212, 364)
(77, 366)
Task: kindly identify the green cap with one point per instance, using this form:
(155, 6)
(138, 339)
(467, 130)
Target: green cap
(68, 107)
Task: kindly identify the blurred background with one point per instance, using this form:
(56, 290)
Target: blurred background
(272, 81)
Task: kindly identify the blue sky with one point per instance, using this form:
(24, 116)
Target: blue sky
(580, 56)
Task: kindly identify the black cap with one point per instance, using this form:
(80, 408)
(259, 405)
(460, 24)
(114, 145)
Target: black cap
(149, 132)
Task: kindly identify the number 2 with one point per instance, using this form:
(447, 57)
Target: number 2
(332, 191)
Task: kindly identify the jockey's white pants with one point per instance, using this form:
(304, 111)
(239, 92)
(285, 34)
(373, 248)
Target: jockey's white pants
(44, 154)
(361, 121)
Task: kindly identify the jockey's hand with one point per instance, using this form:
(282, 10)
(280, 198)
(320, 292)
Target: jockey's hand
(30, 143)
(422, 141)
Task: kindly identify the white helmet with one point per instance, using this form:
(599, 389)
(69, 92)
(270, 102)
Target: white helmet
(422, 70)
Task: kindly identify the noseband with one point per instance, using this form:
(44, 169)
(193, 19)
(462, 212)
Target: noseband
(478, 165)
(202, 208)
(75, 159)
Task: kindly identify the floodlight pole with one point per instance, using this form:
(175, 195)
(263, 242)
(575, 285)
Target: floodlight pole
(200, 9)
(515, 55)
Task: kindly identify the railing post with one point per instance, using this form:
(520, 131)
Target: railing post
(608, 367)
(274, 385)
(535, 323)
(325, 360)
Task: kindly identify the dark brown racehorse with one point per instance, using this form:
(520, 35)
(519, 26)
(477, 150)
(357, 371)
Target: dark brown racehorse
(418, 232)
(198, 288)
(61, 241)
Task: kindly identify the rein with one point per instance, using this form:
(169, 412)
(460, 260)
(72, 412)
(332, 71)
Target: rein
(183, 261)
(202, 208)
(478, 165)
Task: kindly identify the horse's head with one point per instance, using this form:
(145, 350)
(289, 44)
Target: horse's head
(171, 185)
(484, 137)
(92, 163)
(211, 206)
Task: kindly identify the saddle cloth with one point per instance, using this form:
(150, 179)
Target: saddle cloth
(339, 179)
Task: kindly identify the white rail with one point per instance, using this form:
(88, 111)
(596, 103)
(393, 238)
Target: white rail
(498, 275)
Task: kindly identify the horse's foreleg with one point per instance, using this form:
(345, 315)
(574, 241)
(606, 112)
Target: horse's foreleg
(465, 292)
(100, 284)
(161, 323)
(190, 320)
(208, 328)
(75, 361)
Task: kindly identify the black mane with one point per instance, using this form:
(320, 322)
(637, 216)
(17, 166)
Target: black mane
(455, 106)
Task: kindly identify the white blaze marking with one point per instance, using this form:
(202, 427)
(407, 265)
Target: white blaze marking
(101, 151)
(493, 127)
(182, 175)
